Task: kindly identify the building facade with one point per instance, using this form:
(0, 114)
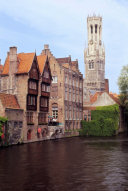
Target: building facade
(94, 57)
(66, 99)
(28, 77)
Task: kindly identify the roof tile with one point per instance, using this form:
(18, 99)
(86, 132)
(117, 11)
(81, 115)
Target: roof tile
(9, 101)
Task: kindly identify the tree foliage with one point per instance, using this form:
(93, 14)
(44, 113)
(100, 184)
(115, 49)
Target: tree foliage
(105, 121)
(3, 120)
(123, 80)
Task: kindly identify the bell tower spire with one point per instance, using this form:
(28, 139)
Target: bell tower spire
(94, 56)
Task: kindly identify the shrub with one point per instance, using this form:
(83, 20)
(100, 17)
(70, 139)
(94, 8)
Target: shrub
(104, 122)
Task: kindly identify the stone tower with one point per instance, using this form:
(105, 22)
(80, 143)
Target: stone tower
(94, 58)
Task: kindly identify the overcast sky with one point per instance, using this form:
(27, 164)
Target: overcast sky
(29, 24)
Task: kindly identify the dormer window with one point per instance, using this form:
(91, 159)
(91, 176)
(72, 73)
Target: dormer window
(46, 74)
(32, 85)
(45, 87)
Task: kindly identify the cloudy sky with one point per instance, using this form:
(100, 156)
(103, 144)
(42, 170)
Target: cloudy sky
(29, 24)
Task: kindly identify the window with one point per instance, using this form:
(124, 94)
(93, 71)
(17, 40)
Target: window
(73, 95)
(80, 96)
(70, 112)
(29, 117)
(77, 96)
(91, 29)
(55, 112)
(70, 82)
(73, 112)
(91, 64)
(45, 87)
(54, 79)
(66, 79)
(70, 94)
(77, 82)
(80, 84)
(42, 118)
(32, 85)
(95, 28)
(66, 112)
(66, 93)
(31, 100)
(73, 82)
(44, 102)
(46, 74)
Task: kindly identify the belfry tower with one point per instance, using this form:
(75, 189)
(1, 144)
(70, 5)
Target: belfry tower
(94, 58)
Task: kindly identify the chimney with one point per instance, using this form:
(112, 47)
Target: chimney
(13, 60)
(107, 85)
(46, 46)
(0, 61)
(46, 49)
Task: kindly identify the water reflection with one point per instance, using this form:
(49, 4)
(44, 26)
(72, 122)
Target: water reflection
(78, 164)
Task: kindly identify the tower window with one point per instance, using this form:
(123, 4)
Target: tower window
(91, 29)
(91, 65)
(95, 28)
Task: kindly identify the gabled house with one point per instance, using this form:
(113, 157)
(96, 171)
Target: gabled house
(66, 99)
(99, 99)
(28, 77)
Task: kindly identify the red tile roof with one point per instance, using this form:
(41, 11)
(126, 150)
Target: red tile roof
(1, 68)
(41, 62)
(95, 97)
(25, 61)
(9, 101)
(115, 97)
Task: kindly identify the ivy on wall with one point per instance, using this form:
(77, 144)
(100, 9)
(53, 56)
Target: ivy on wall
(3, 120)
(105, 122)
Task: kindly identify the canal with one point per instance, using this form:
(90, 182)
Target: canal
(72, 164)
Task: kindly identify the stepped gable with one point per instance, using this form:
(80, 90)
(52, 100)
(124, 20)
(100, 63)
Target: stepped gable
(64, 60)
(9, 101)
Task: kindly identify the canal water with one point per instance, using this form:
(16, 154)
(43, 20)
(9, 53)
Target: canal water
(72, 164)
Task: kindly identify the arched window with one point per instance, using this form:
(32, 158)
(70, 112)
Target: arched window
(91, 64)
(91, 29)
(95, 28)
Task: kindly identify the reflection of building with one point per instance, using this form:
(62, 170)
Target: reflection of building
(28, 77)
(94, 59)
(66, 91)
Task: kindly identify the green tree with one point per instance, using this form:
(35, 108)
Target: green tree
(123, 80)
(123, 88)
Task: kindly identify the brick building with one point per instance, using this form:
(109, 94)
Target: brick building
(1, 69)
(66, 100)
(28, 77)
